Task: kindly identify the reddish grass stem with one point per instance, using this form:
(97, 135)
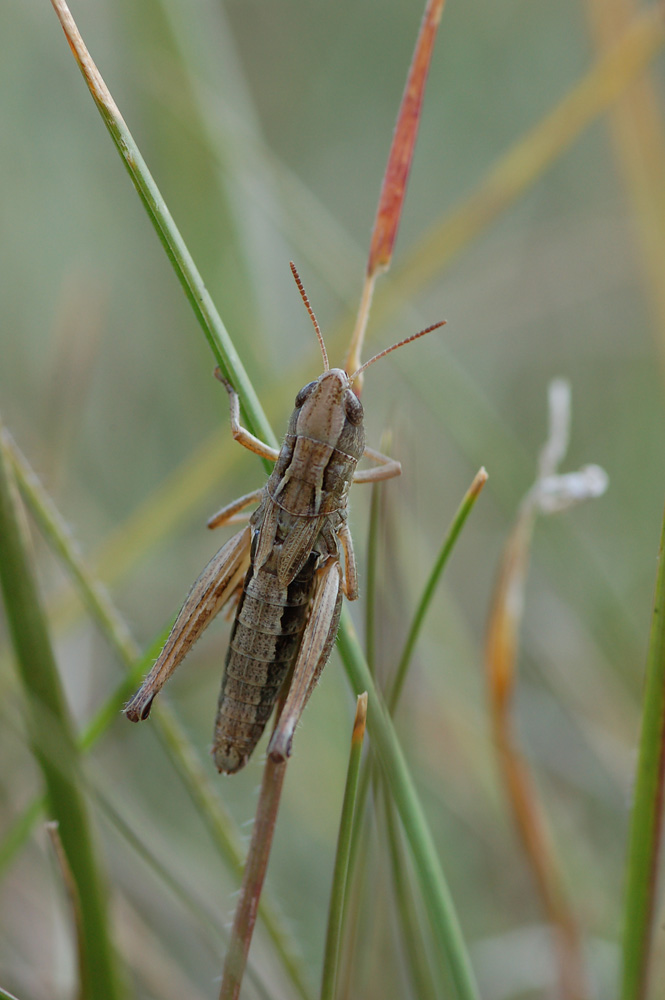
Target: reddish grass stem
(252, 881)
(393, 189)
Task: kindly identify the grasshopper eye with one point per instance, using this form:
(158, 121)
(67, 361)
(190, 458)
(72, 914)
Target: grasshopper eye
(353, 407)
(304, 393)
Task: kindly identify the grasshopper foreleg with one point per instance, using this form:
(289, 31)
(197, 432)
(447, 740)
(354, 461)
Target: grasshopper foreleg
(240, 433)
(387, 468)
(215, 586)
(317, 641)
(224, 515)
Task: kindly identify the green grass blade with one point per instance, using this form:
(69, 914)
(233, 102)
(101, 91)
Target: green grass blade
(53, 742)
(452, 535)
(6, 996)
(433, 886)
(54, 528)
(414, 945)
(370, 575)
(336, 908)
(647, 816)
(169, 235)
(19, 831)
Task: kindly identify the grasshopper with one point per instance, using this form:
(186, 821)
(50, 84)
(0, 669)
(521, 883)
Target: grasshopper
(285, 566)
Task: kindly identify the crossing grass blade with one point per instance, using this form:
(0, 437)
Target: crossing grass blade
(167, 231)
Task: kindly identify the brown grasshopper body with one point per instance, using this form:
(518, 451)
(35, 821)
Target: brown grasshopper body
(292, 592)
(286, 566)
(294, 539)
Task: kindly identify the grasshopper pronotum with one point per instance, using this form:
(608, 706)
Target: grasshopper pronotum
(289, 556)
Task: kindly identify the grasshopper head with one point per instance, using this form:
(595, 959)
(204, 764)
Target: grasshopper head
(326, 405)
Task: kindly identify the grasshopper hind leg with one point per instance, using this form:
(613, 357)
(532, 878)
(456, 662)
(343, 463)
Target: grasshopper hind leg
(317, 642)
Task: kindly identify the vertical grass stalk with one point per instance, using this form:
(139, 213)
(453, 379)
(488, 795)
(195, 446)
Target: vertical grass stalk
(414, 949)
(647, 816)
(336, 908)
(252, 882)
(433, 886)
(53, 742)
(429, 589)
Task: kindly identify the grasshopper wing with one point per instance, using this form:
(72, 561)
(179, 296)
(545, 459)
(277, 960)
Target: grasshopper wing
(209, 594)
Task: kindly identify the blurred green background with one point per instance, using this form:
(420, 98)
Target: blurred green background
(267, 126)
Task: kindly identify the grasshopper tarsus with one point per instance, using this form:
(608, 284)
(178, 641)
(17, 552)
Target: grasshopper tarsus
(137, 710)
(240, 433)
(221, 377)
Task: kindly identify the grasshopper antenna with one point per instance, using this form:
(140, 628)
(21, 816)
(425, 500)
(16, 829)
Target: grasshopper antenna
(407, 340)
(303, 295)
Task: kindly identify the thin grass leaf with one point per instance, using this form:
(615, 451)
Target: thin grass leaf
(53, 742)
(358, 868)
(422, 607)
(336, 907)
(520, 788)
(19, 831)
(54, 528)
(72, 894)
(414, 948)
(164, 873)
(647, 815)
(169, 235)
(6, 996)
(433, 886)
(227, 838)
(370, 574)
(110, 711)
